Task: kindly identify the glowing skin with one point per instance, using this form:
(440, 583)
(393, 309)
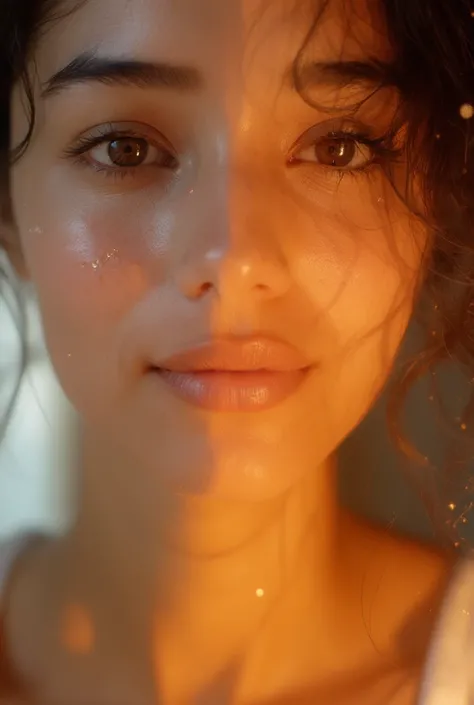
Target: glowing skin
(233, 242)
(228, 232)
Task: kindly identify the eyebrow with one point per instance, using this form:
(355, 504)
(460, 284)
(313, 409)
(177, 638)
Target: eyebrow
(373, 74)
(89, 67)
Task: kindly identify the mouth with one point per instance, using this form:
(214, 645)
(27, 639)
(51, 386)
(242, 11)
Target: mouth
(231, 376)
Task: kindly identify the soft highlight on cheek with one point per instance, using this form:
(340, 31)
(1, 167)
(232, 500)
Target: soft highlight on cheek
(110, 284)
(95, 280)
(140, 231)
(114, 258)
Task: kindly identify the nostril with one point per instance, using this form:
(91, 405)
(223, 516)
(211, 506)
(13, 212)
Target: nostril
(203, 289)
(196, 289)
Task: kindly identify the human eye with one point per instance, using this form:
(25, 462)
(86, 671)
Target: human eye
(342, 148)
(122, 150)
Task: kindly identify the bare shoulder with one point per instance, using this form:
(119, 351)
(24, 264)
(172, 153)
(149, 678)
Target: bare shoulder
(403, 582)
(409, 563)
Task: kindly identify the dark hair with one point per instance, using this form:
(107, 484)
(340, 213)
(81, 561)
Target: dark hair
(433, 44)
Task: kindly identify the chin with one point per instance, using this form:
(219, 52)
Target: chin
(239, 471)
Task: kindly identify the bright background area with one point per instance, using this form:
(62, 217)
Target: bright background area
(35, 453)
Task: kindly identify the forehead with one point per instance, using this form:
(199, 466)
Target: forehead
(214, 34)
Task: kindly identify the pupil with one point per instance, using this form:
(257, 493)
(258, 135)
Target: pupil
(336, 152)
(128, 152)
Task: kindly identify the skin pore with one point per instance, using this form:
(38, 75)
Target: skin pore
(179, 190)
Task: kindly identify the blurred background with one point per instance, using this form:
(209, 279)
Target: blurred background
(36, 450)
(38, 446)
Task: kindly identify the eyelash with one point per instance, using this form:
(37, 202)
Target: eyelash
(78, 152)
(382, 149)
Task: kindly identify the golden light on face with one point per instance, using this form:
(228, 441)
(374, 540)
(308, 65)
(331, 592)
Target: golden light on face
(224, 271)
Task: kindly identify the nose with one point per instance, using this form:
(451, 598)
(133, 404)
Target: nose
(227, 274)
(236, 250)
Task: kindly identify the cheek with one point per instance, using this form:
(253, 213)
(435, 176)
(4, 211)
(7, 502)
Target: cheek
(89, 243)
(98, 259)
(79, 271)
(360, 284)
(90, 271)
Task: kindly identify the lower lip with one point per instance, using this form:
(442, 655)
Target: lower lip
(233, 391)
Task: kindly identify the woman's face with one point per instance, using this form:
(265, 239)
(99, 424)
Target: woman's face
(180, 196)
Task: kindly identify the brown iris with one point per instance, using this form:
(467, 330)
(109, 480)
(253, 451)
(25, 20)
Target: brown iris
(128, 151)
(336, 151)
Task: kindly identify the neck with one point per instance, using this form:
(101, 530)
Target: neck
(194, 580)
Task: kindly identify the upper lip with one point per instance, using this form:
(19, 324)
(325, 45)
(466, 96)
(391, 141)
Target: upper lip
(237, 355)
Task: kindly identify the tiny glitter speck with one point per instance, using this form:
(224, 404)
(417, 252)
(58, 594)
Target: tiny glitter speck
(452, 506)
(260, 592)
(463, 426)
(111, 255)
